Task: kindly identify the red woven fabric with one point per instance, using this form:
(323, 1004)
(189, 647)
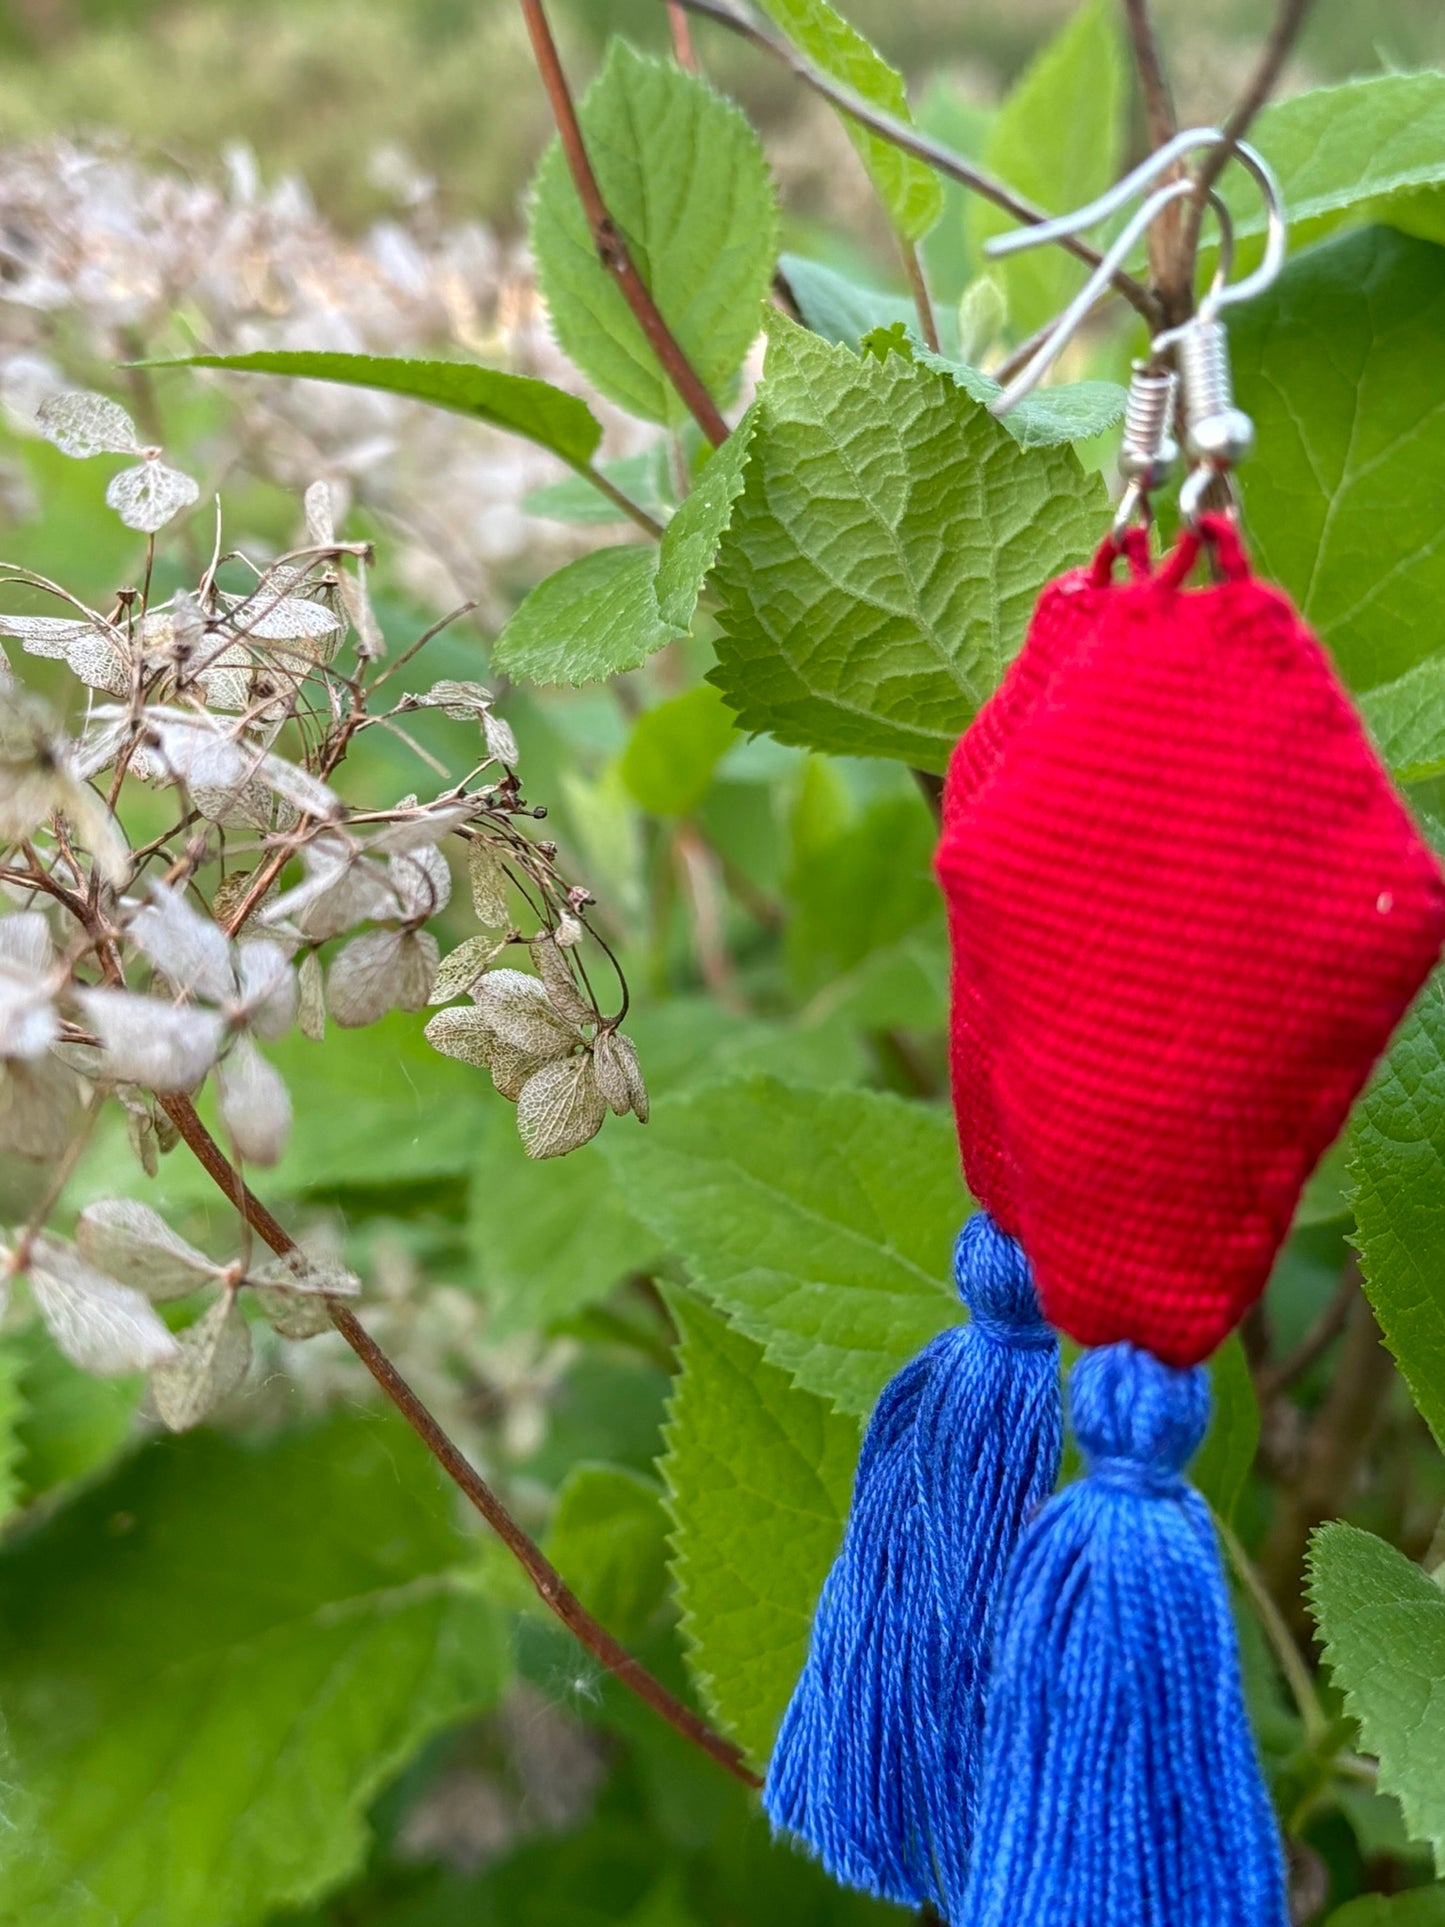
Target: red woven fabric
(1187, 909)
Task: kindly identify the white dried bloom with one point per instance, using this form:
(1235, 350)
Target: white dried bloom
(462, 968)
(40, 1103)
(311, 987)
(266, 989)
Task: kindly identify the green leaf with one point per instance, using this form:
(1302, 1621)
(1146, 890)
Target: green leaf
(884, 557)
(684, 178)
(1339, 365)
(1382, 1624)
(950, 253)
(840, 310)
(690, 543)
(673, 750)
(547, 1238)
(609, 1542)
(1425, 1907)
(861, 891)
(1058, 141)
(1365, 146)
(520, 403)
(642, 479)
(1221, 1465)
(1073, 412)
(908, 188)
(821, 1221)
(211, 1664)
(12, 1449)
(1397, 1165)
(69, 1423)
(759, 1475)
(594, 618)
(1407, 720)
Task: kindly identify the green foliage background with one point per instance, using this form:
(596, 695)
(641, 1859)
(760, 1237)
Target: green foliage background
(236, 1668)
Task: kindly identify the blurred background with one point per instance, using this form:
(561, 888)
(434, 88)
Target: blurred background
(352, 174)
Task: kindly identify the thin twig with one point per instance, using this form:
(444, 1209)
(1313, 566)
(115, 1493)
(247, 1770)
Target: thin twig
(1336, 1442)
(551, 1589)
(611, 248)
(1284, 1372)
(1167, 269)
(1288, 22)
(922, 300)
(1290, 1659)
(682, 45)
(913, 141)
(633, 510)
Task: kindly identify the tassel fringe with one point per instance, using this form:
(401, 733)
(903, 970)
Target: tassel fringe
(876, 1765)
(1121, 1783)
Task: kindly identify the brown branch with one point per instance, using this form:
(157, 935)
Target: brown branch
(1167, 268)
(1288, 22)
(612, 249)
(1334, 1445)
(551, 1589)
(922, 300)
(682, 46)
(913, 141)
(1279, 1376)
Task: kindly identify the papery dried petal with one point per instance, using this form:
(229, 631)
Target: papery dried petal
(147, 496)
(560, 1108)
(102, 1326)
(268, 992)
(561, 987)
(367, 978)
(517, 1008)
(255, 1104)
(166, 1047)
(212, 1358)
(464, 1034)
(40, 1103)
(190, 949)
(422, 881)
(84, 424)
(311, 1008)
(489, 884)
(135, 1245)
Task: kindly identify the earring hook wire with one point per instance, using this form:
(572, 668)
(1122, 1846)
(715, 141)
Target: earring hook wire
(1221, 293)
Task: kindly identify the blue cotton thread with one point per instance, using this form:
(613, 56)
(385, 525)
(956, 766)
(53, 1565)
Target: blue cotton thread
(877, 1760)
(1121, 1785)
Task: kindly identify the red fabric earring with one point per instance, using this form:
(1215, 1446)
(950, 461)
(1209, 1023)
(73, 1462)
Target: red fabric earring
(1188, 909)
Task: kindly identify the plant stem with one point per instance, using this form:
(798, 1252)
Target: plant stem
(682, 46)
(1288, 1655)
(922, 301)
(551, 1589)
(1168, 270)
(1334, 1444)
(633, 510)
(913, 141)
(1288, 22)
(611, 248)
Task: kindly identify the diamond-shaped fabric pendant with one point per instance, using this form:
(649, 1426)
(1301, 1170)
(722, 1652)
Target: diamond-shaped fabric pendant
(1188, 909)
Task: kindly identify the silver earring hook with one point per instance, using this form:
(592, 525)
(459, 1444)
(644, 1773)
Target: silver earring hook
(1221, 293)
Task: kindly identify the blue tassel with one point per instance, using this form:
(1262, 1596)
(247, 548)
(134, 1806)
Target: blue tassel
(1121, 1784)
(877, 1759)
